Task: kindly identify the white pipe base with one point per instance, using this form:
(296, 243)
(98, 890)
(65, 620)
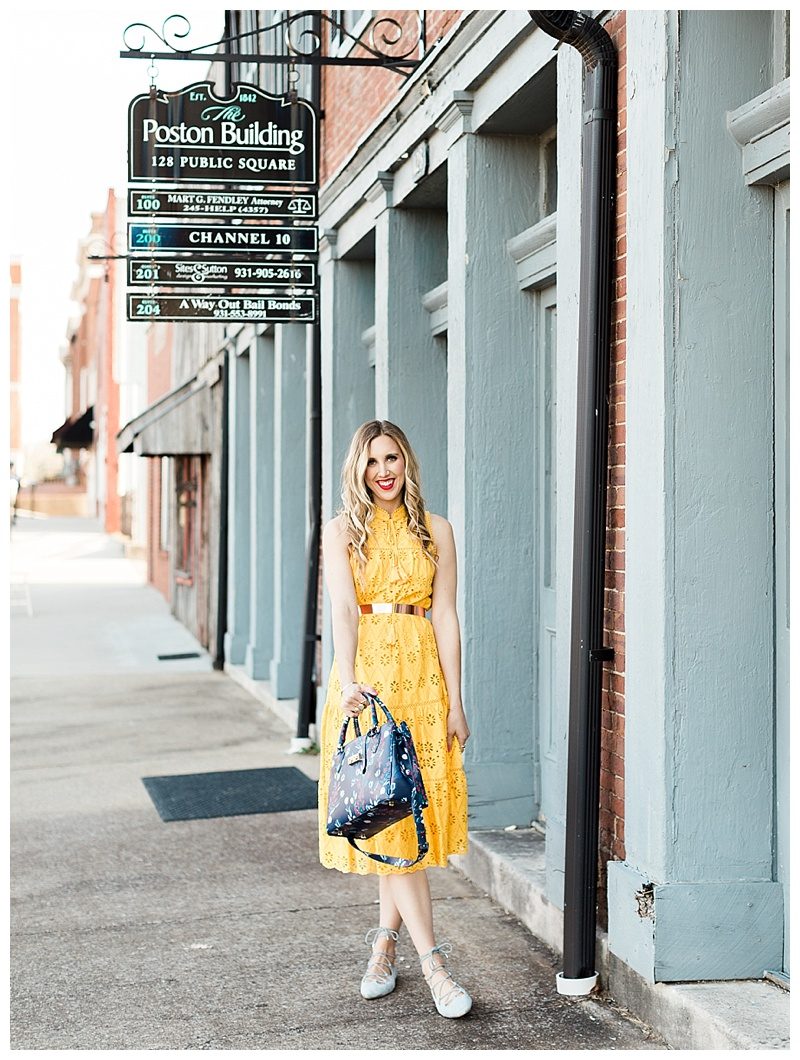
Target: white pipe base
(299, 744)
(575, 987)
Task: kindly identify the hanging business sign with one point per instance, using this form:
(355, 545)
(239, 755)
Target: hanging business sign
(218, 272)
(224, 309)
(219, 204)
(195, 136)
(279, 239)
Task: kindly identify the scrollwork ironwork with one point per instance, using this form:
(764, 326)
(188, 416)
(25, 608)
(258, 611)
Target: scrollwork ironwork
(401, 31)
(163, 36)
(293, 46)
(380, 39)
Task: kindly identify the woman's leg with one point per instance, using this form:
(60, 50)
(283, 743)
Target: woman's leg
(389, 913)
(389, 918)
(378, 978)
(410, 894)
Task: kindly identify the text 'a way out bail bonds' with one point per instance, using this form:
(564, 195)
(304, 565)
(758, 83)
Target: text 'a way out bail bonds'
(216, 308)
(233, 143)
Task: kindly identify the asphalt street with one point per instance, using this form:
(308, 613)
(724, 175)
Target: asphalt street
(225, 933)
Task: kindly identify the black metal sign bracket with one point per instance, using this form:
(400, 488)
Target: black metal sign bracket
(388, 42)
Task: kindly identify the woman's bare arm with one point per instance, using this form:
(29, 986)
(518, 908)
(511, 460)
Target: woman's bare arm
(344, 611)
(444, 618)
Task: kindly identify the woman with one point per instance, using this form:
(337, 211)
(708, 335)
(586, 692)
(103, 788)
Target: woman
(384, 548)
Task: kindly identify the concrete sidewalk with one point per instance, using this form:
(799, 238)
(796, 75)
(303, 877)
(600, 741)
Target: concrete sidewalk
(132, 933)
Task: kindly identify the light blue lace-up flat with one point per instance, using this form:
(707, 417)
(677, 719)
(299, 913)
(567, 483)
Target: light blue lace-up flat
(380, 977)
(450, 998)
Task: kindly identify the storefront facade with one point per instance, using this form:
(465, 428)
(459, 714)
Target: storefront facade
(450, 288)
(450, 209)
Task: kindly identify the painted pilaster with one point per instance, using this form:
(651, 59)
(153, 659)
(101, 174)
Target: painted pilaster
(238, 625)
(695, 898)
(410, 365)
(347, 307)
(262, 518)
(490, 446)
(570, 126)
(289, 509)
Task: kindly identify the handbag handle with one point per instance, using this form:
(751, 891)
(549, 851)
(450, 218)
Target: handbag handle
(422, 840)
(374, 702)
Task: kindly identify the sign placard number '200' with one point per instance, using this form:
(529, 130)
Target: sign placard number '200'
(151, 237)
(243, 238)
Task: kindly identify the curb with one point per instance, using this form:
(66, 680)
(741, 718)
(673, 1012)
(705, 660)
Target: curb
(725, 1014)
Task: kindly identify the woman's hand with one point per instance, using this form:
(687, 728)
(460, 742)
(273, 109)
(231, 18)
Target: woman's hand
(457, 726)
(353, 699)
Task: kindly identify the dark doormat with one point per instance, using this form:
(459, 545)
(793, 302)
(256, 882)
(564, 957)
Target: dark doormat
(193, 796)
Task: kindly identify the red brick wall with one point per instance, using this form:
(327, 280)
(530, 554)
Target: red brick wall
(353, 97)
(159, 361)
(612, 753)
(84, 348)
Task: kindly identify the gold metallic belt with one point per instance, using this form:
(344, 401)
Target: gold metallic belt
(387, 609)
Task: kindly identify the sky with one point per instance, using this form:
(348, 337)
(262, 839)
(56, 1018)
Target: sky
(67, 99)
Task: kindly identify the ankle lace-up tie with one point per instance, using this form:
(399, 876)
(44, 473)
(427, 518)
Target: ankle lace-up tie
(380, 976)
(450, 998)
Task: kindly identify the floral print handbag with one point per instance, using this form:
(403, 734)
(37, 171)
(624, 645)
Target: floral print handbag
(376, 781)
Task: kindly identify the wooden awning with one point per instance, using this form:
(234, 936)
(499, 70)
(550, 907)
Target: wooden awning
(76, 432)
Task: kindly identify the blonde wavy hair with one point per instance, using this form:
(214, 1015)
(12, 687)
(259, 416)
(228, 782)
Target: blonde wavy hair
(358, 507)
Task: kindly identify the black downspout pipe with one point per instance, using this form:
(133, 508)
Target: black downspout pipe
(587, 654)
(308, 683)
(307, 704)
(222, 553)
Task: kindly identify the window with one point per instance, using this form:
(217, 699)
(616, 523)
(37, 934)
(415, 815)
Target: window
(354, 22)
(248, 23)
(186, 494)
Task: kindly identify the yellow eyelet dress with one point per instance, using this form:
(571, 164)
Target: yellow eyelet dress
(397, 655)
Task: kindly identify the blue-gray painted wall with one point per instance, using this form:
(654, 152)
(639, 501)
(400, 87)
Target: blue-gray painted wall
(410, 364)
(289, 507)
(262, 526)
(490, 447)
(699, 686)
(238, 618)
(347, 297)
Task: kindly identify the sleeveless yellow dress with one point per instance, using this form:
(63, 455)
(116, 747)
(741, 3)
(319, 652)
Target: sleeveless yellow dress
(397, 655)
